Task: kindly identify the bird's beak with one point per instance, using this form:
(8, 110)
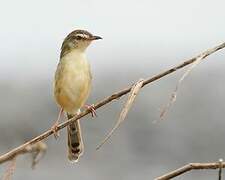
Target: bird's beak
(96, 37)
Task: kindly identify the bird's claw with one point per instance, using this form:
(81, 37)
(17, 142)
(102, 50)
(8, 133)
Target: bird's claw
(54, 128)
(91, 109)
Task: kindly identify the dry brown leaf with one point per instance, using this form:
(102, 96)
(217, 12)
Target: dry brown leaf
(132, 95)
(10, 170)
(38, 152)
(174, 93)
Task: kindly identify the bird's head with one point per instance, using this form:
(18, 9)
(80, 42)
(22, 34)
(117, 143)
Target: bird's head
(78, 39)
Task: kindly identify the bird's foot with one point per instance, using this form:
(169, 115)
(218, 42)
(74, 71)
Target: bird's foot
(91, 109)
(54, 128)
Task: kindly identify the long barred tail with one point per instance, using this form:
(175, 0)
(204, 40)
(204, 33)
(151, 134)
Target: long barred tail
(75, 141)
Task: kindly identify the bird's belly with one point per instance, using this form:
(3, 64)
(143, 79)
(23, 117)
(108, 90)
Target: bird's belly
(72, 90)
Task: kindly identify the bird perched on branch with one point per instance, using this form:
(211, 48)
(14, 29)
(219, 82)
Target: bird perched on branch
(72, 86)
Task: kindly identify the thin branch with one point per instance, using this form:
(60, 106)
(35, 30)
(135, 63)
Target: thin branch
(16, 151)
(189, 167)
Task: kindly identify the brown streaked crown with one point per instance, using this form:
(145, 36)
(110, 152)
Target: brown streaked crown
(79, 32)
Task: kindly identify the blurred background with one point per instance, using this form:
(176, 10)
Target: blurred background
(141, 39)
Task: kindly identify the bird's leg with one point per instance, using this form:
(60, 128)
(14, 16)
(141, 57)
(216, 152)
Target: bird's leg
(54, 128)
(91, 109)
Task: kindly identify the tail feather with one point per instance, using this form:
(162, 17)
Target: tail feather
(75, 141)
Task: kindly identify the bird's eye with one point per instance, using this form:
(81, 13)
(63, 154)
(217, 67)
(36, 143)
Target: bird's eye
(78, 37)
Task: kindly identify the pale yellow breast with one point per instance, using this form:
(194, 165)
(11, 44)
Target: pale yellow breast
(72, 81)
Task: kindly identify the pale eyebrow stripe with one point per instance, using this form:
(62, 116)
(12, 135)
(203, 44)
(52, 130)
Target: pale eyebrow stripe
(82, 35)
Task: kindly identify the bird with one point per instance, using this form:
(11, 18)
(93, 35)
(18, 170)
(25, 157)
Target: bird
(72, 86)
